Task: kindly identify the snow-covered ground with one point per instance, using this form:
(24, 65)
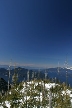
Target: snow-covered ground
(27, 87)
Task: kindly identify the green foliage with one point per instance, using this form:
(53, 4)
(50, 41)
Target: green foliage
(31, 95)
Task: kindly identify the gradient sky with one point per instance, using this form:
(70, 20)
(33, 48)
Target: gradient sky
(36, 32)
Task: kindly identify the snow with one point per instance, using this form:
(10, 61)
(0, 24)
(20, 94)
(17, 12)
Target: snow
(67, 92)
(70, 95)
(50, 85)
(47, 86)
(7, 104)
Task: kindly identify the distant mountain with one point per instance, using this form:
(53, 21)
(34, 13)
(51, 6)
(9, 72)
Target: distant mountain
(12, 67)
(6, 66)
(35, 73)
(22, 73)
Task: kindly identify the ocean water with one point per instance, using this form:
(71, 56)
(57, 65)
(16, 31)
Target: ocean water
(61, 77)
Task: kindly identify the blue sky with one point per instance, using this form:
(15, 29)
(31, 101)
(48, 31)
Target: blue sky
(36, 32)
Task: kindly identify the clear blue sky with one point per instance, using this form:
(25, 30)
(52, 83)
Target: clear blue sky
(36, 32)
